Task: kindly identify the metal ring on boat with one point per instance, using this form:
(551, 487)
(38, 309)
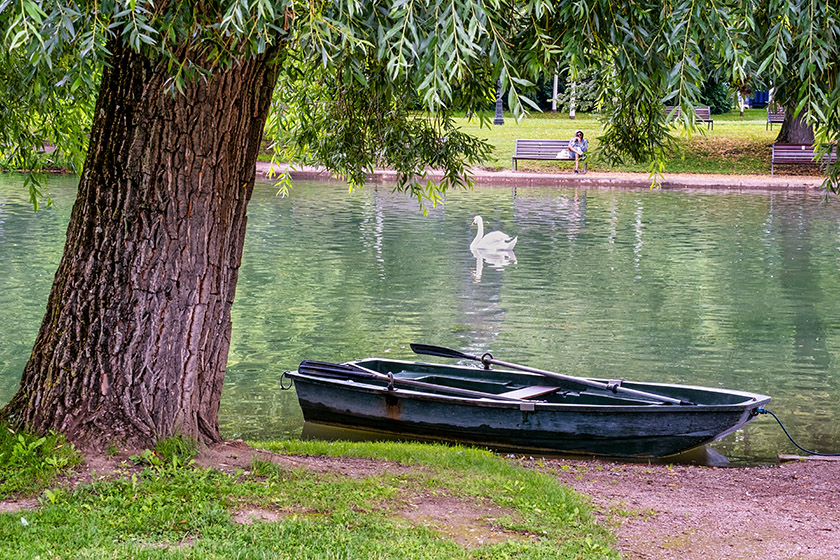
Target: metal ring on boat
(486, 359)
(614, 384)
(285, 375)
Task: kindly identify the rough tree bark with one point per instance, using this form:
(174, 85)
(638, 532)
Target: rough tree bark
(795, 130)
(134, 342)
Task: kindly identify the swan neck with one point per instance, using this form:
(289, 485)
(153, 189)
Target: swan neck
(478, 234)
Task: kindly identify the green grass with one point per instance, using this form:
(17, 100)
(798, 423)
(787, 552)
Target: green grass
(30, 463)
(737, 145)
(175, 511)
(178, 447)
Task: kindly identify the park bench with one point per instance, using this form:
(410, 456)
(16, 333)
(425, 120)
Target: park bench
(777, 117)
(704, 114)
(554, 150)
(798, 154)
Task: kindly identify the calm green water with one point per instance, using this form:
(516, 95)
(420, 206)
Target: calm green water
(730, 290)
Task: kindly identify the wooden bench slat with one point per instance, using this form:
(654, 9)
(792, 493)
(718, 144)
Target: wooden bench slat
(556, 150)
(777, 117)
(798, 154)
(704, 114)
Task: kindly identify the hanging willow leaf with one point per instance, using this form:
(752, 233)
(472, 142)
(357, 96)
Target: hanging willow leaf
(428, 55)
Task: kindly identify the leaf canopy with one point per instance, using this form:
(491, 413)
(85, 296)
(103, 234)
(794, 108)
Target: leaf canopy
(367, 83)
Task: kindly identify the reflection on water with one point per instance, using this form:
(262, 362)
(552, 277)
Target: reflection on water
(728, 290)
(496, 259)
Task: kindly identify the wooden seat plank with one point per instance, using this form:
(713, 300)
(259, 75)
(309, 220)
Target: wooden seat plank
(777, 117)
(531, 392)
(704, 114)
(798, 154)
(557, 150)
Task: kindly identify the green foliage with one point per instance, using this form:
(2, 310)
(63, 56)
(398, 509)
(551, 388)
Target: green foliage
(170, 454)
(47, 92)
(718, 96)
(29, 462)
(586, 90)
(353, 129)
(370, 64)
(177, 447)
(297, 513)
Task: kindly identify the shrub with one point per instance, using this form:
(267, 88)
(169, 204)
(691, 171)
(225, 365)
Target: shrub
(718, 96)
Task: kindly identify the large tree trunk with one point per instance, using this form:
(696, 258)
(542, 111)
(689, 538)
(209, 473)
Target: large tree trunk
(795, 130)
(135, 338)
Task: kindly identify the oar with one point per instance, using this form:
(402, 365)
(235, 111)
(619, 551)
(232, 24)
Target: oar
(354, 371)
(488, 359)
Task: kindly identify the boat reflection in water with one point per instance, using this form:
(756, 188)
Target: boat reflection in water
(704, 456)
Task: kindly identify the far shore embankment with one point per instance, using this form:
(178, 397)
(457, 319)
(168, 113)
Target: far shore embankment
(592, 179)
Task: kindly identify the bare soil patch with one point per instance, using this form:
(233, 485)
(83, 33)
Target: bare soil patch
(785, 512)
(468, 524)
(248, 516)
(15, 505)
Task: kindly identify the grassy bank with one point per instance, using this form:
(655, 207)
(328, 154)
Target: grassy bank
(736, 145)
(382, 500)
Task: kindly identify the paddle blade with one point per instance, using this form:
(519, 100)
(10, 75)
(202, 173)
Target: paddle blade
(430, 350)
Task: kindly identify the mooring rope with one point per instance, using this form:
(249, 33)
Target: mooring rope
(765, 411)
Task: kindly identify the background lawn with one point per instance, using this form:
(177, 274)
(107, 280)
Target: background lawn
(737, 145)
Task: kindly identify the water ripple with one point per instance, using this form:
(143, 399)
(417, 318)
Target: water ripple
(729, 290)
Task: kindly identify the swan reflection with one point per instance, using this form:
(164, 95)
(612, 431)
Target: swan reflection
(494, 258)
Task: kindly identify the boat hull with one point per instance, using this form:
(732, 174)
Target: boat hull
(644, 430)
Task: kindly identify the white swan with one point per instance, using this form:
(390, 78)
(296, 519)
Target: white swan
(493, 241)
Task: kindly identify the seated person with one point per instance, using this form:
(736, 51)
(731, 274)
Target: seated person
(578, 145)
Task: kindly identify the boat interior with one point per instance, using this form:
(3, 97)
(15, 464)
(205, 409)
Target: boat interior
(530, 386)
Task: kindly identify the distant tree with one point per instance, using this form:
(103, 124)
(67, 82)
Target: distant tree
(717, 95)
(587, 92)
(799, 58)
(135, 338)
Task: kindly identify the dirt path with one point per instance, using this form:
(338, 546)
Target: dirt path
(785, 512)
(792, 179)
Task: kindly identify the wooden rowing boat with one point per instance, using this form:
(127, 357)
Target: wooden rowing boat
(519, 410)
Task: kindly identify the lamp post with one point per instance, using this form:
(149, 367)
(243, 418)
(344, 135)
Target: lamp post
(572, 102)
(499, 118)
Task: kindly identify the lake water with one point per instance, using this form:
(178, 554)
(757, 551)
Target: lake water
(731, 290)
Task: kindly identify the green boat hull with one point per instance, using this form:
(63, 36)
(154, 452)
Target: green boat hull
(571, 418)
